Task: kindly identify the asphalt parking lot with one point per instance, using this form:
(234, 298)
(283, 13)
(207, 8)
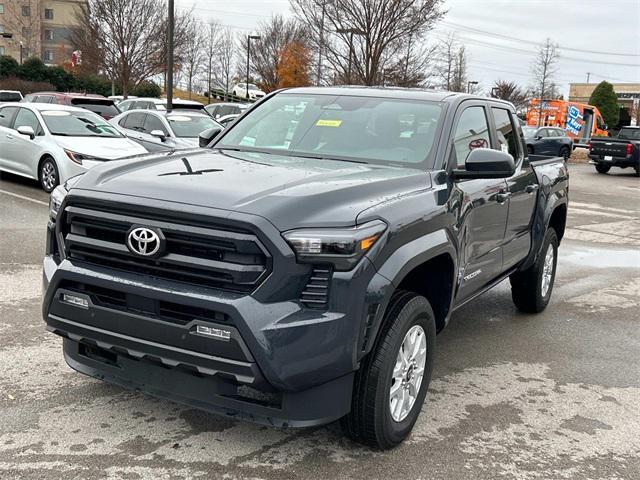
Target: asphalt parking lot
(551, 396)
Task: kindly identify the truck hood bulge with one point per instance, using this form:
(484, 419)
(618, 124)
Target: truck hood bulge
(291, 192)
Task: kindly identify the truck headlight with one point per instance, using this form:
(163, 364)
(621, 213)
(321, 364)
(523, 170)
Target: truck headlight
(342, 247)
(58, 195)
(55, 200)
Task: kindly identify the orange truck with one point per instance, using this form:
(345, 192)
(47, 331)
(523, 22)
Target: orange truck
(579, 120)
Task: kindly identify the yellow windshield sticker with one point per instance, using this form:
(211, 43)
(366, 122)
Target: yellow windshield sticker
(328, 123)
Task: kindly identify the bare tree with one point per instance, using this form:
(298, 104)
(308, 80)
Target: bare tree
(194, 53)
(451, 65)
(211, 49)
(223, 73)
(511, 92)
(266, 51)
(127, 39)
(543, 70)
(375, 34)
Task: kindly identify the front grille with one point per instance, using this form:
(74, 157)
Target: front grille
(171, 312)
(316, 291)
(204, 252)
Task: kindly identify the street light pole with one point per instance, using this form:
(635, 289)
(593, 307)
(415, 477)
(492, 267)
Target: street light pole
(20, 52)
(249, 38)
(320, 50)
(170, 58)
(351, 32)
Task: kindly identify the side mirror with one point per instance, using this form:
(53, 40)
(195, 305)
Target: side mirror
(538, 137)
(207, 135)
(158, 134)
(487, 163)
(27, 131)
(605, 127)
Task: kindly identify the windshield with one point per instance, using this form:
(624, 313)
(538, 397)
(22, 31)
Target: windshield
(10, 97)
(77, 124)
(629, 134)
(529, 131)
(365, 129)
(185, 126)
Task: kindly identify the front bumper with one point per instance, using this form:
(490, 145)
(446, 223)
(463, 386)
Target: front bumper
(283, 364)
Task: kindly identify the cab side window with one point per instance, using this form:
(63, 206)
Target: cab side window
(507, 141)
(26, 118)
(6, 115)
(154, 123)
(471, 132)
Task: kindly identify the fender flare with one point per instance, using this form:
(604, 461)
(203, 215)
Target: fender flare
(541, 224)
(390, 275)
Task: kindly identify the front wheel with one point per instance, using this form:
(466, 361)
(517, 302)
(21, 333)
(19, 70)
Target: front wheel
(601, 168)
(48, 175)
(531, 288)
(392, 382)
(565, 153)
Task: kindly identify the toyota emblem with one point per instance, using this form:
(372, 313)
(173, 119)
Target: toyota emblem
(144, 241)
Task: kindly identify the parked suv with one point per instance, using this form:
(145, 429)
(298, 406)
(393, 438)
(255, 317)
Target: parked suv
(548, 141)
(298, 270)
(95, 103)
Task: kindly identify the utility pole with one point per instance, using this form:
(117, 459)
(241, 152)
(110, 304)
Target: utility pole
(249, 38)
(588, 75)
(20, 52)
(170, 58)
(211, 28)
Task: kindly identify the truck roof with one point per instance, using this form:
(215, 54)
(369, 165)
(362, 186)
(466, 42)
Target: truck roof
(393, 92)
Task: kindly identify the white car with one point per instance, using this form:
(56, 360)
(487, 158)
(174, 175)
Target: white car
(10, 96)
(52, 143)
(254, 93)
(149, 103)
(157, 130)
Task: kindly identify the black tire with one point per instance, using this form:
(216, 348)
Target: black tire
(370, 421)
(529, 149)
(637, 170)
(565, 153)
(527, 285)
(48, 174)
(601, 168)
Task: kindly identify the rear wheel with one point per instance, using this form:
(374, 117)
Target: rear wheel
(637, 170)
(531, 288)
(48, 174)
(392, 382)
(601, 168)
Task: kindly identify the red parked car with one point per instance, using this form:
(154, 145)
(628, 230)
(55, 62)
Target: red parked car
(95, 103)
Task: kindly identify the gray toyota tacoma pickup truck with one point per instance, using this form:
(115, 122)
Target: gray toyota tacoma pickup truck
(297, 270)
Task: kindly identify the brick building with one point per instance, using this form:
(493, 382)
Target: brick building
(39, 28)
(628, 96)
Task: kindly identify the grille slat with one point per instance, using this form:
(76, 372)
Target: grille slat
(228, 259)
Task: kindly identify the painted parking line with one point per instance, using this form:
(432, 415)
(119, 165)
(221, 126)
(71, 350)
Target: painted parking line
(22, 197)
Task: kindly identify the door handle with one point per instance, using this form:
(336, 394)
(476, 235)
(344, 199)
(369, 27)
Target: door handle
(532, 188)
(503, 197)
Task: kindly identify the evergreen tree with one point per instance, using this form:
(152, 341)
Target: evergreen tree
(606, 100)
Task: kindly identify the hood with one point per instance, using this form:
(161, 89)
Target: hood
(101, 147)
(185, 142)
(291, 192)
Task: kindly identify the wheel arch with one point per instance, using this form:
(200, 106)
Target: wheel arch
(431, 258)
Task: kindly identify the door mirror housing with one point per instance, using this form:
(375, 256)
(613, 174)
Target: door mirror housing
(208, 135)
(158, 134)
(27, 131)
(487, 163)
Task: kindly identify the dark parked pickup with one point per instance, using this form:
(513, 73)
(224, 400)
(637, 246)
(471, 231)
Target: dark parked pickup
(297, 271)
(623, 151)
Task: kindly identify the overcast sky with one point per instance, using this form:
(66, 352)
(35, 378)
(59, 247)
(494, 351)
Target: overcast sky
(597, 36)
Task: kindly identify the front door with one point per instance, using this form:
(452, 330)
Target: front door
(23, 153)
(522, 189)
(483, 205)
